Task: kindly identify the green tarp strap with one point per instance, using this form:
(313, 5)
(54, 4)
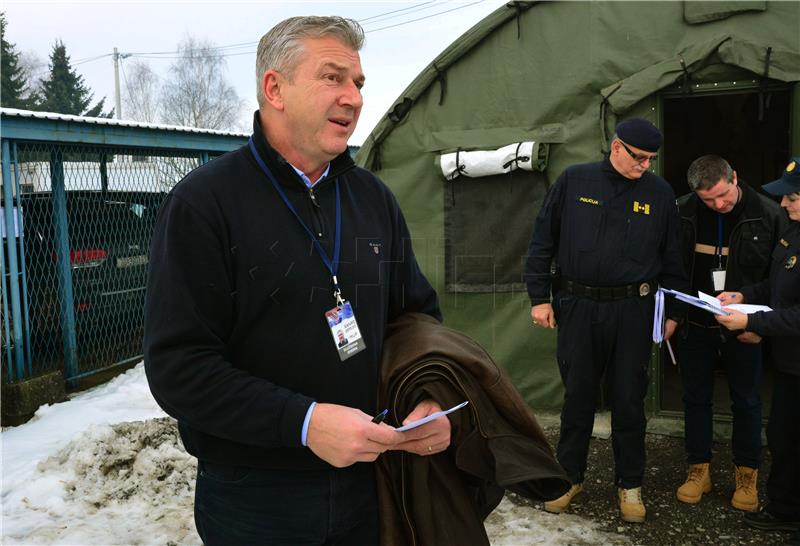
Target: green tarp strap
(784, 66)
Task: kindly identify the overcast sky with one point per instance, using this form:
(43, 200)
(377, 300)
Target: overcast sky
(391, 59)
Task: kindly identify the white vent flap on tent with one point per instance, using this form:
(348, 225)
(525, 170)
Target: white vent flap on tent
(520, 155)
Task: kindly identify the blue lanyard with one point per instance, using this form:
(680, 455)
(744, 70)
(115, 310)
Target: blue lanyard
(719, 239)
(332, 265)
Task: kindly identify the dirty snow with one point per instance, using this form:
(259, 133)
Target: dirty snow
(107, 468)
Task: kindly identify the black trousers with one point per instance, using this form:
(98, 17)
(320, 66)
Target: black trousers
(239, 506)
(783, 438)
(594, 338)
(700, 350)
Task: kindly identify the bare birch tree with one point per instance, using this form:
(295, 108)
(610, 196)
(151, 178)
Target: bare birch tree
(141, 91)
(196, 92)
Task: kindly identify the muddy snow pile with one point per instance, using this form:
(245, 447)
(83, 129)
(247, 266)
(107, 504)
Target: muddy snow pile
(133, 481)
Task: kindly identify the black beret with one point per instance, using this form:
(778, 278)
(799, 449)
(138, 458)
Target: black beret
(640, 133)
(789, 182)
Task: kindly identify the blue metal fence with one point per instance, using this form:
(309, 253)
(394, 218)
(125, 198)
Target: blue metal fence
(79, 199)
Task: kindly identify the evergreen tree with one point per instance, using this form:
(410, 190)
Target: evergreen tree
(13, 86)
(64, 90)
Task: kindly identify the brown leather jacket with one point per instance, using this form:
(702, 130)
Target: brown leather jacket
(496, 443)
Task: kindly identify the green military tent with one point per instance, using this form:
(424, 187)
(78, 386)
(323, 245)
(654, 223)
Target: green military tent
(540, 86)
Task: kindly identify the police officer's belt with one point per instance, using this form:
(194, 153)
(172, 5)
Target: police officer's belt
(609, 293)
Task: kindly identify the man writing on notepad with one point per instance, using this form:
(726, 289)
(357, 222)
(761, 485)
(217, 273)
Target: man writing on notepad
(728, 232)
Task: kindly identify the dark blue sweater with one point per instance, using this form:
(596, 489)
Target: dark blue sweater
(236, 342)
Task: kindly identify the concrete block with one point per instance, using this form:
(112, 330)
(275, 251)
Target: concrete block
(21, 400)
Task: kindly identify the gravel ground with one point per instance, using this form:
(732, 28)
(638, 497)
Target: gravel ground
(669, 523)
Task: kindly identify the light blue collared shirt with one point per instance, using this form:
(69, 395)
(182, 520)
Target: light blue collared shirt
(306, 421)
(309, 184)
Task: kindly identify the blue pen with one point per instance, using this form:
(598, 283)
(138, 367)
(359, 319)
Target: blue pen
(380, 417)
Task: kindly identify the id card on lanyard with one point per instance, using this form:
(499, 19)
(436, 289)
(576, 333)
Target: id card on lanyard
(719, 273)
(340, 319)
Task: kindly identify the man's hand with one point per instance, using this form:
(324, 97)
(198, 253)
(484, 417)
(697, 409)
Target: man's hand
(543, 315)
(734, 321)
(669, 328)
(427, 439)
(728, 298)
(342, 436)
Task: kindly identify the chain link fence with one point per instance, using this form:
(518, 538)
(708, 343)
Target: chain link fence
(83, 217)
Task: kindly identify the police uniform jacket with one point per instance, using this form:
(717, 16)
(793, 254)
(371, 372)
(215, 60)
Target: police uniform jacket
(751, 240)
(603, 229)
(781, 291)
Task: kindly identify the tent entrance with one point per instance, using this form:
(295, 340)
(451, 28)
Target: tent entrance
(751, 129)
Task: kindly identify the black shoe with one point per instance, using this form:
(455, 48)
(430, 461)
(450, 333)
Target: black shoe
(767, 521)
(794, 540)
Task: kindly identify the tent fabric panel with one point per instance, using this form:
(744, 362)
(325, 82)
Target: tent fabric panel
(492, 137)
(465, 43)
(697, 12)
(551, 74)
(784, 65)
(506, 330)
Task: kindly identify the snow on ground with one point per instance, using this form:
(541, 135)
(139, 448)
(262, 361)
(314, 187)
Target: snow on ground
(107, 468)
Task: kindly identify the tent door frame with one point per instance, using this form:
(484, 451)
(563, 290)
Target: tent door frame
(654, 399)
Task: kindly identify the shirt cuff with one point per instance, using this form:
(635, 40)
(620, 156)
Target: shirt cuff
(306, 421)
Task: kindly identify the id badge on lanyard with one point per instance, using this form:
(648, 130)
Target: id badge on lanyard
(718, 274)
(344, 330)
(347, 337)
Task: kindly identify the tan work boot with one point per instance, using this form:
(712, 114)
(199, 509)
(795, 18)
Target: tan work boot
(698, 481)
(560, 504)
(631, 506)
(746, 495)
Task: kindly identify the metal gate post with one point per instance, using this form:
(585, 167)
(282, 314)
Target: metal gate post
(13, 270)
(26, 332)
(63, 265)
(6, 319)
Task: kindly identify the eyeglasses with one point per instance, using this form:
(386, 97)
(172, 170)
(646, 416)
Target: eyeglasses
(639, 158)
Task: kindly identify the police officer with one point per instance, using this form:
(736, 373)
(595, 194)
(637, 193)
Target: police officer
(781, 291)
(728, 232)
(611, 230)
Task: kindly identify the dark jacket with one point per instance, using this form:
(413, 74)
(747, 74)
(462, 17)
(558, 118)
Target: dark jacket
(751, 240)
(602, 229)
(781, 291)
(496, 443)
(236, 342)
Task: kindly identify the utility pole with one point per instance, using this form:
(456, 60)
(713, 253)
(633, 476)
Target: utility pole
(117, 56)
(116, 85)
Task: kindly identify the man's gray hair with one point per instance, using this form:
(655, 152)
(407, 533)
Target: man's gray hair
(706, 171)
(281, 48)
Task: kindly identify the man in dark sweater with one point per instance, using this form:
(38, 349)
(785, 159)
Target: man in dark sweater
(259, 258)
(728, 232)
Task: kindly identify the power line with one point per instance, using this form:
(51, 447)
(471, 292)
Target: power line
(90, 59)
(213, 56)
(173, 55)
(426, 17)
(367, 20)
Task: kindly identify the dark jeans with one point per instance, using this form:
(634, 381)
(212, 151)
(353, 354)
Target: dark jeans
(783, 438)
(699, 351)
(612, 338)
(249, 506)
